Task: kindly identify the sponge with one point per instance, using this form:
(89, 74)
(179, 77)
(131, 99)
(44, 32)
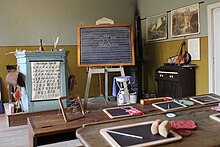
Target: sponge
(164, 128)
(155, 127)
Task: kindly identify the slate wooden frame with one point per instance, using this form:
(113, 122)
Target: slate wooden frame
(199, 99)
(107, 26)
(215, 116)
(75, 115)
(178, 105)
(159, 141)
(106, 110)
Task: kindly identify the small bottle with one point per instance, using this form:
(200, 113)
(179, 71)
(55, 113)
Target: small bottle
(121, 98)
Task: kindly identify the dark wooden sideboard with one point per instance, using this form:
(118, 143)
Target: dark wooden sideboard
(176, 81)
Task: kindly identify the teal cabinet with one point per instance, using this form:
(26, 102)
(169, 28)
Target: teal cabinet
(45, 75)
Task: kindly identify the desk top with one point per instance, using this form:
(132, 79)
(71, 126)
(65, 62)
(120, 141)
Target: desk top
(206, 133)
(49, 124)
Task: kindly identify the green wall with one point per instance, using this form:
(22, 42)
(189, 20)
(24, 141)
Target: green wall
(24, 22)
(156, 54)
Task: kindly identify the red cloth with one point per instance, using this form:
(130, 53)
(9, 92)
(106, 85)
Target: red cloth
(183, 124)
(134, 111)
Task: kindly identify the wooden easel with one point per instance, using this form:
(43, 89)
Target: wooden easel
(99, 70)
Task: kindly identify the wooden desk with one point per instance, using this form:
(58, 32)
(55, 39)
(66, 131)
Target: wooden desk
(206, 134)
(47, 129)
(51, 128)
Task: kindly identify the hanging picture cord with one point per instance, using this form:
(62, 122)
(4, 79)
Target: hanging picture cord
(172, 10)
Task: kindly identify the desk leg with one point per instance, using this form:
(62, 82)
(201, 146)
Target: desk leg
(32, 138)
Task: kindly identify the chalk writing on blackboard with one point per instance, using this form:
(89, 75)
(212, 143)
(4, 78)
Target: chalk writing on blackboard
(45, 80)
(105, 45)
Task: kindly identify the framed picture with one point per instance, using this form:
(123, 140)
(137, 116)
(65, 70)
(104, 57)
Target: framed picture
(185, 21)
(156, 27)
(71, 108)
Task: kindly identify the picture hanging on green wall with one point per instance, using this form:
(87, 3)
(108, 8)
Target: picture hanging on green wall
(185, 21)
(156, 27)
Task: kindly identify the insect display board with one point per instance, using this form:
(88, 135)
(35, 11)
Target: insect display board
(135, 135)
(215, 116)
(168, 105)
(117, 112)
(205, 99)
(105, 45)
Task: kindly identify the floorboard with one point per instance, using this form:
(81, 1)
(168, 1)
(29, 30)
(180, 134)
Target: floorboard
(18, 136)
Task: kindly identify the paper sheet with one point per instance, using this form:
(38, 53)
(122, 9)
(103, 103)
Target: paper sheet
(194, 48)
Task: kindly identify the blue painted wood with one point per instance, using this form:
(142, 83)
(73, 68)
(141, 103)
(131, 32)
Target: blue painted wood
(24, 60)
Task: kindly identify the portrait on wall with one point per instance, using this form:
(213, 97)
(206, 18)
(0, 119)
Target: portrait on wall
(185, 21)
(156, 27)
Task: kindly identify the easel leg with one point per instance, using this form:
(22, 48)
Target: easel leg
(87, 88)
(106, 87)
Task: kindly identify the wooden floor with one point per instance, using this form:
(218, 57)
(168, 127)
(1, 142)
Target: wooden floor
(18, 136)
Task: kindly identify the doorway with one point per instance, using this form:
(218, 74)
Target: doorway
(213, 13)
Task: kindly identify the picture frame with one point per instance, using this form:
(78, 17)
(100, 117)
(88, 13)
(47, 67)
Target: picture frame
(71, 108)
(156, 27)
(185, 21)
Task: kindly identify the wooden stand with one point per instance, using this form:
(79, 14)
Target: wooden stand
(98, 70)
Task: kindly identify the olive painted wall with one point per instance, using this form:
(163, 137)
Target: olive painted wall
(156, 54)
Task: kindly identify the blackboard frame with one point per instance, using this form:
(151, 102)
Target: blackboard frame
(108, 26)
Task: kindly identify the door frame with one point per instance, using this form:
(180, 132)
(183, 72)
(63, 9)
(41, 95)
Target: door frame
(211, 67)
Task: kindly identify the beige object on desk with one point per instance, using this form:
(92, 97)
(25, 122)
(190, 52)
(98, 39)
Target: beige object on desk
(164, 128)
(155, 127)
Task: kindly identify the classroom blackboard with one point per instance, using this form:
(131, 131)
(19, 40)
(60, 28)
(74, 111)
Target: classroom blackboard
(105, 45)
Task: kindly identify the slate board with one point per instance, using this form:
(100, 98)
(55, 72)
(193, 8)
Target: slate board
(168, 105)
(138, 129)
(205, 99)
